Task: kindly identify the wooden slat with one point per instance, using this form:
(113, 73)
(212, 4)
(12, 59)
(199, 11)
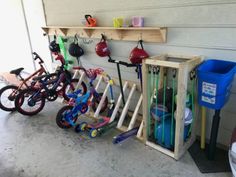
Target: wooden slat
(96, 114)
(163, 63)
(126, 107)
(98, 84)
(145, 99)
(140, 130)
(161, 149)
(118, 103)
(180, 110)
(134, 116)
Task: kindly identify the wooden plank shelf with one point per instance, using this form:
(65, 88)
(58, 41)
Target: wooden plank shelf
(147, 34)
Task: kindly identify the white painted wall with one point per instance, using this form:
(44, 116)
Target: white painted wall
(196, 27)
(14, 45)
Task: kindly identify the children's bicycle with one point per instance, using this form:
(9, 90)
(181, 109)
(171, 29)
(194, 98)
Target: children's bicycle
(68, 115)
(32, 100)
(9, 92)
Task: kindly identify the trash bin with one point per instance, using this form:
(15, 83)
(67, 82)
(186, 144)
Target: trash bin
(214, 82)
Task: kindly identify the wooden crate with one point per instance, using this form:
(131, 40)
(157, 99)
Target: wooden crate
(184, 65)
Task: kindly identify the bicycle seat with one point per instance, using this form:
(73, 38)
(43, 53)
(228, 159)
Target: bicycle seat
(16, 71)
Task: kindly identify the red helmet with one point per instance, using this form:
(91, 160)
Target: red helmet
(101, 48)
(137, 54)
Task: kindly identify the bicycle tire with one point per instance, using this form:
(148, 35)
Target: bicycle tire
(73, 81)
(3, 90)
(60, 118)
(21, 96)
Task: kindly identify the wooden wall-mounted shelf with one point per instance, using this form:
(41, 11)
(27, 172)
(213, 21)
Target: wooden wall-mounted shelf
(147, 34)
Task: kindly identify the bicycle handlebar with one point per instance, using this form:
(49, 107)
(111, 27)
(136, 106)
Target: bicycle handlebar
(121, 62)
(60, 58)
(90, 73)
(37, 57)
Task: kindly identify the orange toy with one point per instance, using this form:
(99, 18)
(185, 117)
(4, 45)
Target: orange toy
(90, 21)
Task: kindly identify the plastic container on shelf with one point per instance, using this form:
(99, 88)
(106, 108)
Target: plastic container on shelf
(137, 21)
(214, 82)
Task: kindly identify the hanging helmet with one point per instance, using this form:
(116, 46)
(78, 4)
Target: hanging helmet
(138, 54)
(74, 49)
(101, 48)
(54, 46)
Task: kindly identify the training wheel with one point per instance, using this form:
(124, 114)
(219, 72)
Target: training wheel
(93, 133)
(80, 127)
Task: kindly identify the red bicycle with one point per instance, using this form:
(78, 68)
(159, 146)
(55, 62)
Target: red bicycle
(9, 92)
(32, 100)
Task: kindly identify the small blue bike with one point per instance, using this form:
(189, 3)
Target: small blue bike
(68, 115)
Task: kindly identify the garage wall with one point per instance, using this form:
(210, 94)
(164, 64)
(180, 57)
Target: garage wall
(196, 27)
(15, 48)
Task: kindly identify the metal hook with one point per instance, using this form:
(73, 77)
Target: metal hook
(140, 38)
(174, 73)
(192, 74)
(103, 36)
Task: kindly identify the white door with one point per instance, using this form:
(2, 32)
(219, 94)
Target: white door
(34, 14)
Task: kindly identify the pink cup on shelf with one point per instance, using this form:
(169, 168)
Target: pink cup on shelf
(137, 21)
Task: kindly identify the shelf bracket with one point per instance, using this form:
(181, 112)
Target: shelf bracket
(89, 32)
(63, 31)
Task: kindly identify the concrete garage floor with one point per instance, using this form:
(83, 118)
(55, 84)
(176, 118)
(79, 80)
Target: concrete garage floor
(36, 147)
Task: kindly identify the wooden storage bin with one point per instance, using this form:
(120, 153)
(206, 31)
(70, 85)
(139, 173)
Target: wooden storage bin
(183, 65)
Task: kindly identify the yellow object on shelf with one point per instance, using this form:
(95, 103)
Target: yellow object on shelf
(118, 22)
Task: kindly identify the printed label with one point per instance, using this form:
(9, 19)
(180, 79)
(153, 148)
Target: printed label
(209, 100)
(209, 89)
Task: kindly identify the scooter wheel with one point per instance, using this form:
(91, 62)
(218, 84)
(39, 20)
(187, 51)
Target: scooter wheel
(80, 127)
(115, 140)
(93, 133)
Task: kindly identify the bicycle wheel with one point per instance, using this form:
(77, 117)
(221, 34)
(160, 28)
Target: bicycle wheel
(69, 88)
(7, 97)
(96, 101)
(29, 102)
(60, 118)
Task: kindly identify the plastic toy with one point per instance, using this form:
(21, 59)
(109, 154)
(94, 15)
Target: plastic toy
(107, 127)
(118, 22)
(92, 128)
(90, 21)
(137, 21)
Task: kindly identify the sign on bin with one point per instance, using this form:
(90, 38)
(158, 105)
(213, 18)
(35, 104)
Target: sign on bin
(208, 88)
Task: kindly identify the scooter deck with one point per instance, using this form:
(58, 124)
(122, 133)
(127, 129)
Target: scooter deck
(123, 136)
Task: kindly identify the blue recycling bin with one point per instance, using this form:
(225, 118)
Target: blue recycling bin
(214, 82)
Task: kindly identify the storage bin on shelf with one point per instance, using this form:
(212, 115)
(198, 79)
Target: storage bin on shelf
(214, 82)
(167, 127)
